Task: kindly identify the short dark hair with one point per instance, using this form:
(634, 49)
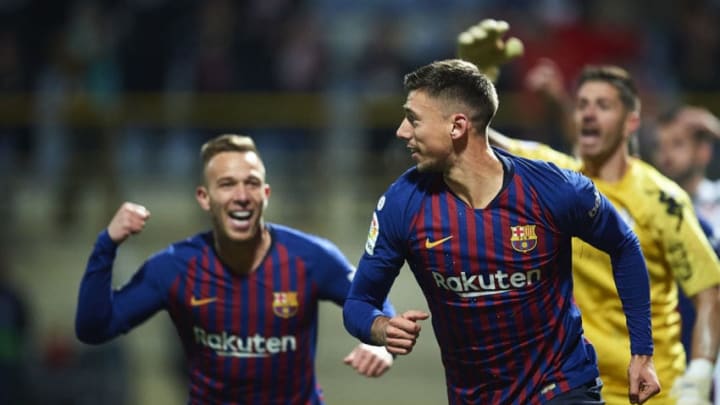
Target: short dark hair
(699, 133)
(616, 77)
(227, 143)
(457, 80)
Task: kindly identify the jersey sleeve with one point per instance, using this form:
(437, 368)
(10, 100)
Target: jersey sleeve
(686, 247)
(379, 266)
(592, 218)
(335, 274)
(104, 313)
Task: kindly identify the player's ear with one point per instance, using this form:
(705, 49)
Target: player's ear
(202, 197)
(267, 195)
(633, 122)
(460, 126)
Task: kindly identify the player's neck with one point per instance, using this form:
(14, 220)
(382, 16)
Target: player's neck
(476, 178)
(243, 258)
(610, 169)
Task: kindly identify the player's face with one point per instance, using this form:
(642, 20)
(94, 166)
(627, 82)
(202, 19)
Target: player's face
(676, 152)
(235, 194)
(603, 123)
(426, 131)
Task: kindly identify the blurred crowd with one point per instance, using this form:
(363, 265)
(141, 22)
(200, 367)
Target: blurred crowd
(94, 92)
(138, 84)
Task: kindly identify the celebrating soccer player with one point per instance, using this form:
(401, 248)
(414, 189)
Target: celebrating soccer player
(487, 236)
(243, 296)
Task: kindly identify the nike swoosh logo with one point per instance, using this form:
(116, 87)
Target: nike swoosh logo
(202, 301)
(430, 244)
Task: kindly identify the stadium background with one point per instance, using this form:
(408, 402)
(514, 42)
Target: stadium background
(107, 101)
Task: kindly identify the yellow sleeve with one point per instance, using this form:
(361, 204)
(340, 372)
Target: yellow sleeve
(539, 151)
(687, 250)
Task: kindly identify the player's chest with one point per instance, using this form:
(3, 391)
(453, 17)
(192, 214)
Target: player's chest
(490, 236)
(263, 300)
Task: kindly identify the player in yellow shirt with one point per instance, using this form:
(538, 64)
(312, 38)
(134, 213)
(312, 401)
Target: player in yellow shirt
(606, 114)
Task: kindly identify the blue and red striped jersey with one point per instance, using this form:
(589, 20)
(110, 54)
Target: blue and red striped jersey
(248, 339)
(498, 280)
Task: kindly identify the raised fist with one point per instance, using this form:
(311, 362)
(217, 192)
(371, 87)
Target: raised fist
(129, 219)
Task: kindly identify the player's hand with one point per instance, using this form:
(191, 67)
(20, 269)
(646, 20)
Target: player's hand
(401, 332)
(483, 44)
(128, 220)
(643, 379)
(693, 388)
(370, 361)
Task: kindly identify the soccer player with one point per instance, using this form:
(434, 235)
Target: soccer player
(606, 114)
(487, 236)
(243, 296)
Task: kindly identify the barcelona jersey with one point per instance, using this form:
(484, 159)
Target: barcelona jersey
(498, 280)
(248, 339)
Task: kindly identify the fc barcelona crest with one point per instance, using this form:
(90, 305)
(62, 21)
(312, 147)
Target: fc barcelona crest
(523, 238)
(285, 304)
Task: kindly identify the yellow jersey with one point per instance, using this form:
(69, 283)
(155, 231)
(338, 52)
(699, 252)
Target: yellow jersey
(675, 249)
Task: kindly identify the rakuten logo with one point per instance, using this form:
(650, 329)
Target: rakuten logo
(226, 344)
(475, 285)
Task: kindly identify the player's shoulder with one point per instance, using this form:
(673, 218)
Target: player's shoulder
(177, 256)
(542, 172)
(648, 178)
(540, 151)
(412, 180)
(185, 248)
(410, 184)
(300, 242)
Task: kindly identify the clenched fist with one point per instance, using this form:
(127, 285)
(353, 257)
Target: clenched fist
(128, 220)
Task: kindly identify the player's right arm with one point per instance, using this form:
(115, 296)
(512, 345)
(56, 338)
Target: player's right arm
(379, 266)
(399, 333)
(101, 312)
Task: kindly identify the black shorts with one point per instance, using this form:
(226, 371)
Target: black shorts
(586, 394)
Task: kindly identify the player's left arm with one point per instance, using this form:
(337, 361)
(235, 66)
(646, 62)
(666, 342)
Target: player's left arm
(594, 220)
(335, 273)
(597, 222)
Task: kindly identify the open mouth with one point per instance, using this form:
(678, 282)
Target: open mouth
(413, 151)
(240, 219)
(240, 215)
(590, 132)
